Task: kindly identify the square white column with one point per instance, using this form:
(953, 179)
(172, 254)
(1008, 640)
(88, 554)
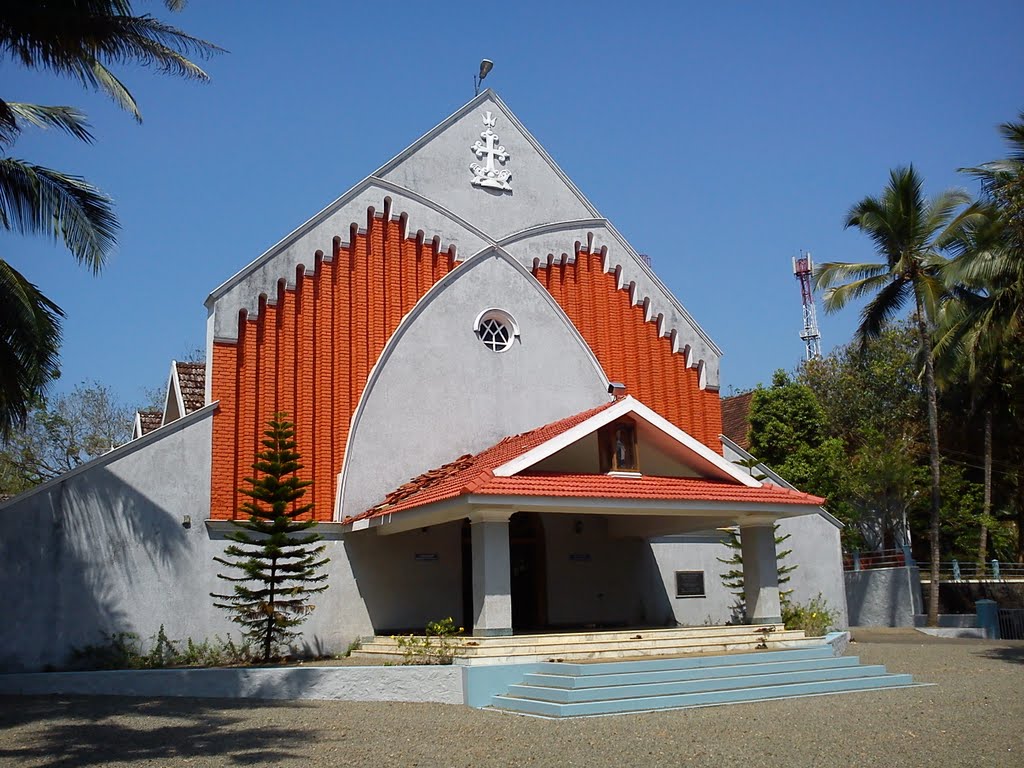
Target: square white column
(492, 581)
(760, 573)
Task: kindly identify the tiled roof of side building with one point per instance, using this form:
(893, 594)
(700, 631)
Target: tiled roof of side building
(150, 420)
(192, 379)
(736, 419)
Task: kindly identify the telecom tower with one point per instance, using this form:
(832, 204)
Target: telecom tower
(802, 268)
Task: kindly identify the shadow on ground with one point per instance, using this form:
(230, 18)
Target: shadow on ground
(90, 731)
(1014, 654)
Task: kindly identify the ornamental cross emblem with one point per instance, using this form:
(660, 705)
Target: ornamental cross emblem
(489, 175)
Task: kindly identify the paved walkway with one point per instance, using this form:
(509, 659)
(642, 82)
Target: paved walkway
(973, 717)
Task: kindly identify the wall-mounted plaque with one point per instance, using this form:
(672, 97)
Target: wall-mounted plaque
(690, 584)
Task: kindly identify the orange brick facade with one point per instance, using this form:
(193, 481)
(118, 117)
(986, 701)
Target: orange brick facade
(309, 353)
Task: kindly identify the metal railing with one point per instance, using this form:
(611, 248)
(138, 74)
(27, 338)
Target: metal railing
(1011, 623)
(882, 558)
(993, 570)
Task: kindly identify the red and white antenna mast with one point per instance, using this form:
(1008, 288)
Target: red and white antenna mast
(803, 267)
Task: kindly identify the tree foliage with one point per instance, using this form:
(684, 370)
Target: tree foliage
(61, 434)
(275, 559)
(81, 39)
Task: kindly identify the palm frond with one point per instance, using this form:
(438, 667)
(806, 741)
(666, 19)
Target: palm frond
(38, 200)
(887, 304)
(29, 344)
(832, 272)
(89, 35)
(105, 80)
(68, 119)
(839, 296)
(931, 290)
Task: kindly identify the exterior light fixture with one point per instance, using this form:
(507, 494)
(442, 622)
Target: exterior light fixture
(486, 65)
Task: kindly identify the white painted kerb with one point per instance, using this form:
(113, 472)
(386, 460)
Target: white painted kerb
(442, 684)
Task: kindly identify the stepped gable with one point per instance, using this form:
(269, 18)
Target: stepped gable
(629, 342)
(331, 328)
(192, 384)
(309, 350)
(429, 182)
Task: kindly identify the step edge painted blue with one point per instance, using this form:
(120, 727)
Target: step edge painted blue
(682, 662)
(575, 682)
(644, 690)
(672, 701)
(880, 688)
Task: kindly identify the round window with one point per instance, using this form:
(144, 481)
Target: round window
(496, 329)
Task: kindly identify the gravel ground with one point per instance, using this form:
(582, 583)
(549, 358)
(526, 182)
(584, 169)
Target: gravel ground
(973, 717)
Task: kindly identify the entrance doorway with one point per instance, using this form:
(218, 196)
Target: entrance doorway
(528, 572)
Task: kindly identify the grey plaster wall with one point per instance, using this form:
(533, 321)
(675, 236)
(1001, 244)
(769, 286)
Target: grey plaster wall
(884, 597)
(814, 542)
(694, 553)
(408, 579)
(438, 392)
(817, 553)
(105, 550)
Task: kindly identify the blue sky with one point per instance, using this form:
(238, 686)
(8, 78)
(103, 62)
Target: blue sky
(720, 139)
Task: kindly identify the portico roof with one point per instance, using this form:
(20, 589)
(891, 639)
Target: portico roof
(504, 472)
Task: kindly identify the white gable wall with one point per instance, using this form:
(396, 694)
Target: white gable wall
(543, 215)
(539, 195)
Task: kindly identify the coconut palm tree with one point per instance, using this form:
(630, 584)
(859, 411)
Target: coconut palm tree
(985, 319)
(989, 261)
(960, 357)
(80, 39)
(909, 233)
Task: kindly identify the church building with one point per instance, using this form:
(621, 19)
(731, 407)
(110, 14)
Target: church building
(506, 416)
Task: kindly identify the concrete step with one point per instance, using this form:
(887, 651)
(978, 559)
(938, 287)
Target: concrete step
(572, 682)
(592, 668)
(612, 644)
(575, 690)
(635, 690)
(557, 638)
(710, 698)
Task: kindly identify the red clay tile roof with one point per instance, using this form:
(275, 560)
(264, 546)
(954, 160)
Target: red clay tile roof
(150, 420)
(645, 487)
(466, 473)
(735, 419)
(192, 379)
(475, 474)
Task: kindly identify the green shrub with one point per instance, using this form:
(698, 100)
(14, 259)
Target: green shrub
(123, 650)
(814, 617)
(436, 645)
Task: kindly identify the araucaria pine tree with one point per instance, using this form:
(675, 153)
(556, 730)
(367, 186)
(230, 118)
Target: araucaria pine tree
(275, 559)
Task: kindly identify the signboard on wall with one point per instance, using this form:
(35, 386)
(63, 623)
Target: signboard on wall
(690, 584)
